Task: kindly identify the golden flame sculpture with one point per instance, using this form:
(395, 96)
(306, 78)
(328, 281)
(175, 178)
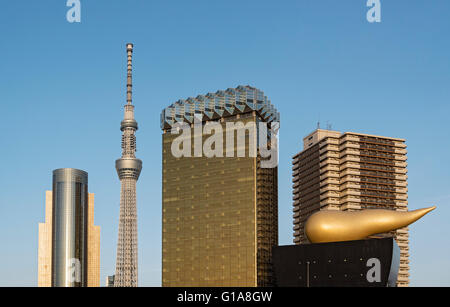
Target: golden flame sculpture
(334, 226)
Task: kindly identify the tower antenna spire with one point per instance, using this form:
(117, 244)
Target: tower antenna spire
(129, 73)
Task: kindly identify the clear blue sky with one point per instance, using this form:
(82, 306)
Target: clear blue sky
(62, 89)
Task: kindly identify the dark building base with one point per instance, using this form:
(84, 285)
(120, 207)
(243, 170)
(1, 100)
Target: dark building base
(363, 263)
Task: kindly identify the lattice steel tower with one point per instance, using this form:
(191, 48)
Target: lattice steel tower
(128, 168)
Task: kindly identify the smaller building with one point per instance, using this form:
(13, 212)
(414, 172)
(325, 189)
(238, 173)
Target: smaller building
(361, 263)
(69, 242)
(110, 281)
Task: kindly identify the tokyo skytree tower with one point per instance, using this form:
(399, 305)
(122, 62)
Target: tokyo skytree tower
(128, 168)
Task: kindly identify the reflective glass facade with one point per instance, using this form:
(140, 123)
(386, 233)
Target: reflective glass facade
(219, 216)
(69, 234)
(59, 246)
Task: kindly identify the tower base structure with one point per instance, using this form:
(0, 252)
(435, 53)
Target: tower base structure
(362, 263)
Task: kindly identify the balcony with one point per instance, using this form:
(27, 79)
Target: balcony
(401, 164)
(350, 171)
(329, 180)
(329, 194)
(350, 199)
(297, 220)
(401, 177)
(329, 154)
(400, 151)
(350, 137)
(350, 159)
(349, 150)
(329, 201)
(328, 161)
(350, 206)
(349, 146)
(330, 188)
(349, 185)
(329, 168)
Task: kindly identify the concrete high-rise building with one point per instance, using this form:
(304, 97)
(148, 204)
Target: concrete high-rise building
(220, 213)
(128, 168)
(69, 242)
(351, 171)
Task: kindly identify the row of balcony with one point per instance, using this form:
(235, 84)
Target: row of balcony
(363, 180)
(356, 150)
(357, 162)
(382, 172)
(349, 139)
(392, 196)
(375, 187)
(392, 150)
(371, 200)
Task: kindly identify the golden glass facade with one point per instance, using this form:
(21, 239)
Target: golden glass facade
(220, 217)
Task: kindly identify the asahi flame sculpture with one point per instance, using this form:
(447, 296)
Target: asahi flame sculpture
(335, 226)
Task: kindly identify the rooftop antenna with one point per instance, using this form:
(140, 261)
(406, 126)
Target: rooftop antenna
(129, 73)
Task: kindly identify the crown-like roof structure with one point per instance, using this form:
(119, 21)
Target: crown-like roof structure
(213, 106)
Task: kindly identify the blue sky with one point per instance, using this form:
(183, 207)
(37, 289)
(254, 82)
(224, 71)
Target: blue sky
(62, 91)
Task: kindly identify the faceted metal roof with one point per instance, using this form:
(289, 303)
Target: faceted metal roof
(226, 103)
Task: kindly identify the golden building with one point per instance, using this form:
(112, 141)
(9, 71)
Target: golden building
(63, 237)
(220, 217)
(351, 171)
(93, 247)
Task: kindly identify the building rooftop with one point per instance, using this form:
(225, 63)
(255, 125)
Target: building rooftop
(212, 106)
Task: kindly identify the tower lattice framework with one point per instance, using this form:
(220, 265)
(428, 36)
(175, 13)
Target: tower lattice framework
(128, 168)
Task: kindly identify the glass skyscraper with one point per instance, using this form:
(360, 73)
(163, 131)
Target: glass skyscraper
(69, 243)
(220, 218)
